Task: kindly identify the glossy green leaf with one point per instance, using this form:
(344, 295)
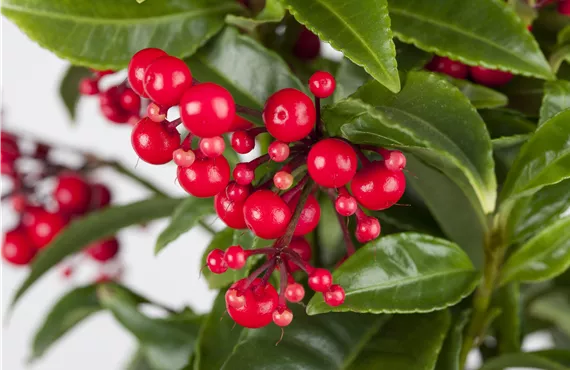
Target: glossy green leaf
(505, 123)
(167, 343)
(525, 94)
(556, 99)
(403, 335)
(562, 54)
(449, 355)
(326, 342)
(361, 32)
(138, 361)
(479, 32)
(329, 234)
(69, 87)
(508, 324)
(409, 57)
(272, 12)
(402, 273)
(95, 226)
(559, 355)
(107, 33)
(480, 96)
(544, 256)
(409, 216)
(249, 71)
(526, 360)
(186, 215)
(217, 338)
(416, 121)
(553, 308)
(543, 160)
(349, 77)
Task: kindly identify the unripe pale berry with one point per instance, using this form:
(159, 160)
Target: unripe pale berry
(212, 146)
(282, 180)
(155, 113)
(278, 151)
(282, 317)
(183, 158)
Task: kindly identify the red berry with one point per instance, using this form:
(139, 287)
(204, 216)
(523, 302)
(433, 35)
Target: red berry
(19, 202)
(109, 102)
(300, 246)
(282, 317)
(130, 101)
(320, 280)
(345, 205)
(100, 196)
(449, 67)
(207, 110)
(282, 180)
(308, 45)
(394, 160)
(237, 192)
(310, 215)
(376, 187)
(235, 299)
(367, 229)
(564, 7)
(242, 142)
(260, 302)
(332, 163)
(166, 79)
(102, 73)
(72, 194)
(335, 296)
(235, 257)
(155, 113)
(490, 77)
(153, 142)
(322, 84)
(243, 174)
(266, 214)
(240, 123)
(17, 248)
(42, 151)
(215, 261)
(230, 211)
(183, 158)
(103, 250)
(206, 177)
(212, 146)
(278, 151)
(88, 86)
(289, 115)
(137, 66)
(44, 227)
(294, 292)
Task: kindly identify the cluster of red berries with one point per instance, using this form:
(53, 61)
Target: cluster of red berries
(480, 75)
(43, 216)
(279, 205)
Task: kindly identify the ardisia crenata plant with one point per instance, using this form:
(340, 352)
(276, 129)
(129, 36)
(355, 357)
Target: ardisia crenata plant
(396, 206)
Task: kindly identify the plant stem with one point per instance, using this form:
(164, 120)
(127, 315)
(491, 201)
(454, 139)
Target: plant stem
(207, 227)
(286, 238)
(249, 111)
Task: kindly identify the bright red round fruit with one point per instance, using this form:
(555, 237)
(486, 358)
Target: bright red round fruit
(278, 151)
(237, 192)
(130, 101)
(215, 261)
(376, 187)
(308, 45)
(166, 79)
(294, 292)
(449, 67)
(103, 250)
(207, 110)
(335, 296)
(206, 177)
(367, 229)
(17, 248)
(137, 66)
(302, 247)
(266, 214)
(230, 211)
(242, 142)
(320, 280)
(322, 84)
(260, 302)
(345, 204)
(88, 86)
(289, 115)
(109, 103)
(44, 227)
(310, 215)
(282, 317)
(212, 146)
(100, 196)
(153, 142)
(235, 257)
(72, 194)
(490, 77)
(332, 163)
(243, 174)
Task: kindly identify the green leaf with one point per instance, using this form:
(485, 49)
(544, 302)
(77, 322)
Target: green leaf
(525, 94)
(329, 234)
(479, 96)
(556, 99)
(480, 32)
(251, 78)
(106, 35)
(543, 160)
(167, 343)
(542, 257)
(553, 308)
(559, 355)
(508, 324)
(95, 226)
(420, 334)
(361, 32)
(217, 338)
(272, 12)
(326, 342)
(409, 57)
(528, 359)
(402, 273)
(138, 361)
(69, 87)
(349, 77)
(504, 123)
(449, 355)
(416, 122)
(190, 211)
(558, 57)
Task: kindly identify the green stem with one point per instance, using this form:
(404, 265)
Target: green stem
(207, 227)
(125, 171)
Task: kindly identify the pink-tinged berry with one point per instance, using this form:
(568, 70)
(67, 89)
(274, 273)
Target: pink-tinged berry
(294, 293)
(302, 247)
(166, 79)
(235, 299)
(17, 248)
(260, 302)
(243, 174)
(266, 214)
(230, 211)
(207, 110)
(564, 7)
(320, 280)
(155, 113)
(335, 296)
(282, 317)
(449, 67)
(153, 142)
(237, 192)
(322, 84)
(88, 86)
(394, 160)
(215, 261)
(137, 66)
(206, 177)
(345, 204)
(130, 100)
(308, 45)
(490, 77)
(289, 115)
(183, 158)
(100, 196)
(103, 250)
(367, 229)
(278, 151)
(44, 227)
(310, 215)
(72, 194)
(102, 73)
(282, 180)
(376, 187)
(212, 147)
(235, 257)
(332, 163)
(242, 142)
(18, 202)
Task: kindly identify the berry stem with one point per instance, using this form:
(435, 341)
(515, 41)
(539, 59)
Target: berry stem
(286, 238)
(254, 131)
(253, 164)
(282, 283)
(249, 111)
(187, 142)
(295, 190)
(350, 249)
(258, 271)
(296, 259)
(173, 124)
(251, 252)
(269, 271)
(318, 127)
